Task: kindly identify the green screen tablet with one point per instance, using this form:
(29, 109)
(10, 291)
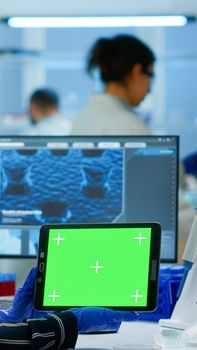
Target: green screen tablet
(108, 265)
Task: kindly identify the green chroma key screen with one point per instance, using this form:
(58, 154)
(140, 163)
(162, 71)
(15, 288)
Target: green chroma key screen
(97, 267)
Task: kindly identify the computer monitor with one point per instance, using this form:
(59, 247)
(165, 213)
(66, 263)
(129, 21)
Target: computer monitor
(83, 179)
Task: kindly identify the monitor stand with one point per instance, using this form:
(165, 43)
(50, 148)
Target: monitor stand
(25, 242)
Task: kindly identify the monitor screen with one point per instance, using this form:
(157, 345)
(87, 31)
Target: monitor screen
(83, 179)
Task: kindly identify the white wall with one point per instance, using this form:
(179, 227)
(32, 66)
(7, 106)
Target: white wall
(95, 7)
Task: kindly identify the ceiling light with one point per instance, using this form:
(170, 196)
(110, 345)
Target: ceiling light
(96, 21)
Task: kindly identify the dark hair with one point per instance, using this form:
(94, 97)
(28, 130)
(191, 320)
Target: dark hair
(115, 57)
(45, 98)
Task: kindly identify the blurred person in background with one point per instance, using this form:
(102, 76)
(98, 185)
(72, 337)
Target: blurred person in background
(45, 116)
(126, 69)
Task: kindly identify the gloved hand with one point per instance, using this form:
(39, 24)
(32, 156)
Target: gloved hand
(98, 319)
(22, 307)
(90, 319)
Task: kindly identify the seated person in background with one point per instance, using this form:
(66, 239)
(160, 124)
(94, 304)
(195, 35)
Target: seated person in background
(125, 64)
(190, 164)
(45, 116)
(190, 167)
(52, 330)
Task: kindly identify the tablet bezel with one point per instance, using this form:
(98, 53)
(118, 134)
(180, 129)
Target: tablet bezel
(154, 261)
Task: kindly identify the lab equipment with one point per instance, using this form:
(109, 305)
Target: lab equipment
(181, 328)
(169, 282)
(185, 311)
(7, 284)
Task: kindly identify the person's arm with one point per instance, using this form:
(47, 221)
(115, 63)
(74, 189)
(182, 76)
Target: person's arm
(51, 333)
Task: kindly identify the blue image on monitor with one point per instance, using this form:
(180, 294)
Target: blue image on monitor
(50, 186)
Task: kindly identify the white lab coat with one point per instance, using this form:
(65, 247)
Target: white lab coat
(108, 115)
(49, 125)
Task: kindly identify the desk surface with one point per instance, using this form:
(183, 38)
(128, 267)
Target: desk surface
(130, 333)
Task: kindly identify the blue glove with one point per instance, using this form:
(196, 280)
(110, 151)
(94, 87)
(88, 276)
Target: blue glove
(98, 319)
(22, 307)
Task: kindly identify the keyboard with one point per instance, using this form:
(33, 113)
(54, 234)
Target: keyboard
(6, 302)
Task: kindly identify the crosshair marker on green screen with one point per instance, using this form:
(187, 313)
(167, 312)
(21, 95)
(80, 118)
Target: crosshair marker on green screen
(97, 267)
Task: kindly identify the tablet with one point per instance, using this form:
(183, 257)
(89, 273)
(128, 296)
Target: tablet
(106, 265)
